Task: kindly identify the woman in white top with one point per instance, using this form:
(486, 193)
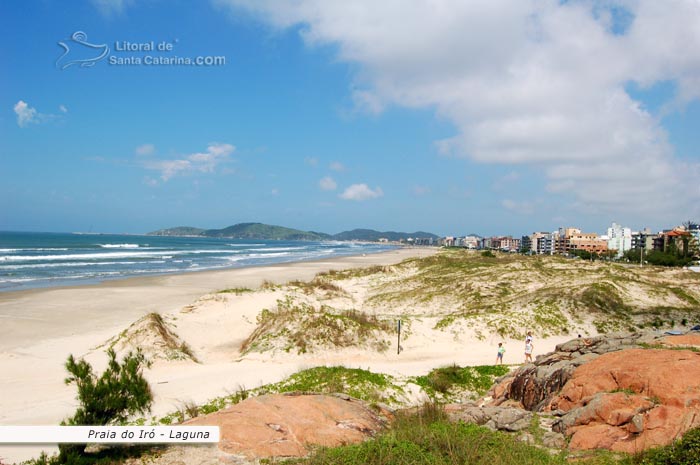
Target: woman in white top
(528, 347)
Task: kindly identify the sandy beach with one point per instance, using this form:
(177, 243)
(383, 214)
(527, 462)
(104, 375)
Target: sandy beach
(41, 327)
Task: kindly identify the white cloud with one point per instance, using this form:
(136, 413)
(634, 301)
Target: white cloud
(149, 181)
(275, 191)
(361, 192)
(145, 149)
(202, 162)
(111, 7)
(311, 161)
(538, 83)
(524, 207)
(337, 166)
(25, 114)
(327, 184)
(421, 190)
(505, 180)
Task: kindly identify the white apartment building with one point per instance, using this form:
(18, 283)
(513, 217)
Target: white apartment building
(619, 238)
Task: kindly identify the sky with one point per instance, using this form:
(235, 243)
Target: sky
(449, 116)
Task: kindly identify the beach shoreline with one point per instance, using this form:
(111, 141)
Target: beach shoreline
(23, 316)
(41, 327)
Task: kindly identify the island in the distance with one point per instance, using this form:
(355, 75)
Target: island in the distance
(271, 232)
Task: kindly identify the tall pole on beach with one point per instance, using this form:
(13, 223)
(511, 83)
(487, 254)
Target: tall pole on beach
(398, 342)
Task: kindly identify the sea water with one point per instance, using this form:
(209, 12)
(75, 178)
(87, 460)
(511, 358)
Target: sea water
(31, 259)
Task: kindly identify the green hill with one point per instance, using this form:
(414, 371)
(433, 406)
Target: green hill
(178, 231)
(371, 235)
(270, 232)
(264, 231)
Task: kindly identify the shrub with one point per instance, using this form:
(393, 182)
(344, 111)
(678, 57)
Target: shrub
(110, 398)
(685, 451)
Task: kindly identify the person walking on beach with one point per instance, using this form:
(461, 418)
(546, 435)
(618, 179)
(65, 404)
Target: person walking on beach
(528, 347)
(499, 355)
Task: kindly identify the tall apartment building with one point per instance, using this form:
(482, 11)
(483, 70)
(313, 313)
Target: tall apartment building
(643, 239)
(530, 243)
(546, 243)
(620, 239)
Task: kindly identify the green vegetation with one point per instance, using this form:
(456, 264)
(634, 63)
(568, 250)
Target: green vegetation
(270, 232)
(684, 295)
(361, 384)
(264, 232)
(427, 437)
(355, 382)
(354, 272)
(302, 327)
(370, 235)
(178, 231)
(236, 290)
(451, 382)
(685, 451)
(507, 294)
(120, 391)
(319, 285)
(173, 348)
(671, 257)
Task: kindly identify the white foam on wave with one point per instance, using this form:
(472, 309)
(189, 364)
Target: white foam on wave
(267, 255)
(74, 264)
(81, 256)
(33, 249)
(119, 246)
(245, 245)
(278, 249)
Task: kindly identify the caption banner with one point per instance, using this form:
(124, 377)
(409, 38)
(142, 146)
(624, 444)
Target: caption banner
(108, 434)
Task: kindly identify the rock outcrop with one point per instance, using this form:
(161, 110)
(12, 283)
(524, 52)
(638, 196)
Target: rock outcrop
(287, 425)
(623, 392)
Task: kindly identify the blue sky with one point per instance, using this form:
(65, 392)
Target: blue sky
(426, 117)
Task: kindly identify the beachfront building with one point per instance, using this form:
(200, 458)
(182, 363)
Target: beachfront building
(573, 239)
(472, 242)
(677, 238)
(505, 243)
(546, 244)
(643, 239)
(423, 241)
(529, 243)
(619, 238)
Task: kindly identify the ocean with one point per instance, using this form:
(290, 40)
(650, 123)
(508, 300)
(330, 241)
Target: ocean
(31, 260)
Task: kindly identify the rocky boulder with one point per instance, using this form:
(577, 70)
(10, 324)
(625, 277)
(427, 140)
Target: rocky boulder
(631, 400)
(286, 425)
(533, 386)
(618, 392)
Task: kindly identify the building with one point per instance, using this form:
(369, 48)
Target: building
(571, 239)
(643, 239)
(472, 242)
(546, 244)
(677, 238)
(619, 238)
(529, 243)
